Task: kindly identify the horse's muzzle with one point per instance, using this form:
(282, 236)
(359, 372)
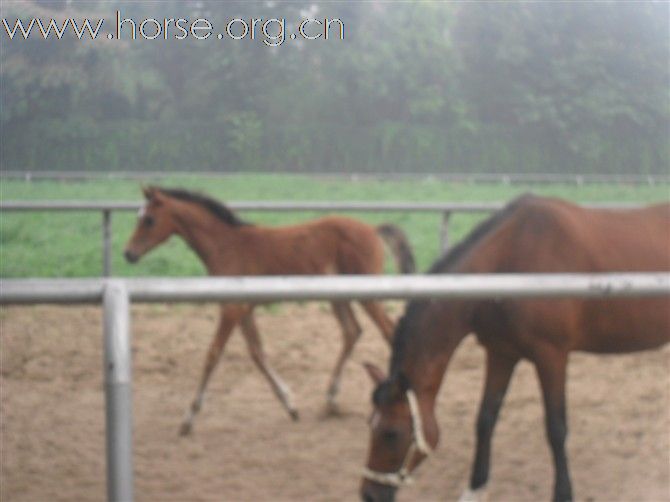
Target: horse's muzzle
(130, 256)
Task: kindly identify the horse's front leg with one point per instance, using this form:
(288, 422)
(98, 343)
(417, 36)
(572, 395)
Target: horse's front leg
(551, 369)
(255, 346)
(499, 371)
(230, 317)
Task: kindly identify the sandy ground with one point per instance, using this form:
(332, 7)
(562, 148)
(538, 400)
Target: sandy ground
(245, 448)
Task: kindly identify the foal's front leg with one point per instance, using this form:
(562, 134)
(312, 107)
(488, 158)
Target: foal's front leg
(230, 317)
(255, 346)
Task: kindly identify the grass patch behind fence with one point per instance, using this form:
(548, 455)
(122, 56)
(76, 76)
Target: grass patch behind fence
(69, 244)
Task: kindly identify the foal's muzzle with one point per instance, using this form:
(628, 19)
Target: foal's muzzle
(130, 256)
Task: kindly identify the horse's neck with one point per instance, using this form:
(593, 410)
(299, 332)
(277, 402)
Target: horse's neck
(204, 233)
(443, 325)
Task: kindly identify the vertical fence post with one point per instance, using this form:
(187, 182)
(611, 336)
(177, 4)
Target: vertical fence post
(118, 392)
(106, 243)
(444, 231)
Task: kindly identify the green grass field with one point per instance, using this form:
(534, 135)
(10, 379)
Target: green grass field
(51, 244)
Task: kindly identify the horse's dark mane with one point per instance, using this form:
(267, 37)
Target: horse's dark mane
(213, 206)
(405, 330)
(446, 262)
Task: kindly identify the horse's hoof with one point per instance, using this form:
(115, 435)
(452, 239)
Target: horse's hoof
(295, 416)
(470, 495)
(185, 429)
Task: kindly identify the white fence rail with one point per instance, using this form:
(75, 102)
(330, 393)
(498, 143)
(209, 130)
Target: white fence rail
(107, 207)
(257, 205)
(296, 288)
(505, 178)
(116, 295)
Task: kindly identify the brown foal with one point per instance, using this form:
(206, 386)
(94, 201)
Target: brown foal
(229, 246)
(531, 235)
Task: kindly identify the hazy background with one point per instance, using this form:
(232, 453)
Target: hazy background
(560, 87)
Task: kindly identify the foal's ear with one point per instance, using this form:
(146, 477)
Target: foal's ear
(153, 195)
(148, 192)
(157, 197)
(375, 373)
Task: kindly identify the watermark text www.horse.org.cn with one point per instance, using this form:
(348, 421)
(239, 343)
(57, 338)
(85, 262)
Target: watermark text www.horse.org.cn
(273, 32)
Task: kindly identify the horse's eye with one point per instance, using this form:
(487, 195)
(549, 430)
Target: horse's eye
(148, 221)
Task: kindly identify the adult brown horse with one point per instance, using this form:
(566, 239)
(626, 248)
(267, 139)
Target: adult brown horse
(229, 246)
(533, 235)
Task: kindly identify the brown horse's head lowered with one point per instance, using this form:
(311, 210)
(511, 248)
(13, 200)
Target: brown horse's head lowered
(530, 235)
(403, 434)
(154, 225)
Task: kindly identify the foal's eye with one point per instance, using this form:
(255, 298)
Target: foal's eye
(148, 221)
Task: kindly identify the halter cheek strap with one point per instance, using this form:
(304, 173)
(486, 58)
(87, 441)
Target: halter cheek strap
(417, 424)
(419, 443)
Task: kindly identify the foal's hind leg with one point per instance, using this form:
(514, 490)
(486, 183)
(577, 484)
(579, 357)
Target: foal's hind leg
(383, 322)
(351, 331)
(256, 350)
(230, 316)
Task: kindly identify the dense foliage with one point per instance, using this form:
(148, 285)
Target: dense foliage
(414, 86)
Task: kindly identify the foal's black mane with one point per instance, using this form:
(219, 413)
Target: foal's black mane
(213, 206)
(405, 331)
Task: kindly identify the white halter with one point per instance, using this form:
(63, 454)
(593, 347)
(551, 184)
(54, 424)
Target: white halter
(419, 443)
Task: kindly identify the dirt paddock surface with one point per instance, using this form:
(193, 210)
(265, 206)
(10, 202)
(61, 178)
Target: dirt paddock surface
(245, 448)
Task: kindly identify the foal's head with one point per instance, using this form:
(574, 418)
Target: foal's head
(403, 434)
(154, 225)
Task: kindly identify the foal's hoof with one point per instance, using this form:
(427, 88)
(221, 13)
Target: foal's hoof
(295, 416)
(185, 429)
(332, 410)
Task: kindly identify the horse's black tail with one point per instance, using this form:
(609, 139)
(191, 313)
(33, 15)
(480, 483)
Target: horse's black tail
(399, 245)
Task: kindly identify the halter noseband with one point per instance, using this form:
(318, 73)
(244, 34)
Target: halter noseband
(419, 443)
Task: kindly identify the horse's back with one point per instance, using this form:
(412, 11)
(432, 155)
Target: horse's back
(552, 235)
(546, 235)
(635, 240)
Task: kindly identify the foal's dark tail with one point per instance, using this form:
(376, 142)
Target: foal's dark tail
(398, 243)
